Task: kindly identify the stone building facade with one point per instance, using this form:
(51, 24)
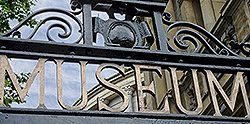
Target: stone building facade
(228, 20)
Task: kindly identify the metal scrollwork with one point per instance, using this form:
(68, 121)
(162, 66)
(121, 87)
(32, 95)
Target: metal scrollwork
(188, 33)
(58, 20)
(76, 6)
(128, 33)
(244, 46)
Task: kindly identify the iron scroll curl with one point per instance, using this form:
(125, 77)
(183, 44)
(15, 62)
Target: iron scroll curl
(65, 25)
(196, 35)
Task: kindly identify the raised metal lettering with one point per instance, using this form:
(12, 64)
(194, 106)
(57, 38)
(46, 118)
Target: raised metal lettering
(112, 87)
(229, 102)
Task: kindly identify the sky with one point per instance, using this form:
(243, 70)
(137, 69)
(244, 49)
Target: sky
(70, 72)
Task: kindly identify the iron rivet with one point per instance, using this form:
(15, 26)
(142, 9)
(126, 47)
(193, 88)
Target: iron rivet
(128, 57)
(3, 47)
(72, 53)
(181, 60)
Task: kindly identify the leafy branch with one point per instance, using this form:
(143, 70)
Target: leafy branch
(15, 10)
(10, 93)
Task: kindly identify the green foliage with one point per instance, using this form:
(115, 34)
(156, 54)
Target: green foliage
(15, 10)
(10, 94)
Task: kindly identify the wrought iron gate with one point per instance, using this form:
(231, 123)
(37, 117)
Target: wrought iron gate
(127, 42)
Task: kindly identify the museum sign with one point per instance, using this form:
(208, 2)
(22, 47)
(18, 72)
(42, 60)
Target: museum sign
(128, 44)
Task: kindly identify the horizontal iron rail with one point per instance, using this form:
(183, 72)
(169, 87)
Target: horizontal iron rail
(143, 4)
(117, 115)
(30, 49)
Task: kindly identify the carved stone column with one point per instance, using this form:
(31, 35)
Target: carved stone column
(187, 9)
(208, 14)
(130, 91)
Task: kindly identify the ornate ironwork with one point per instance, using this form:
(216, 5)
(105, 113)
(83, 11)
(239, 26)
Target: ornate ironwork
(129, 33)
(195, 34)
(244, 46)
(127, 36)
(64, 24)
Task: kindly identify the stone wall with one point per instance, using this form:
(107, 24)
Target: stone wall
(241, 21)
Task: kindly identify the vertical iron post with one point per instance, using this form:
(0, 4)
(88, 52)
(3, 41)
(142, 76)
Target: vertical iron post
(87, 25)
(160, 33)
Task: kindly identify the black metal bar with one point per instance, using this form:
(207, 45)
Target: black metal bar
(94, 117)
(142, 4)
(75, 52)
(99, 60)
(87, 23)
(160, 33)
